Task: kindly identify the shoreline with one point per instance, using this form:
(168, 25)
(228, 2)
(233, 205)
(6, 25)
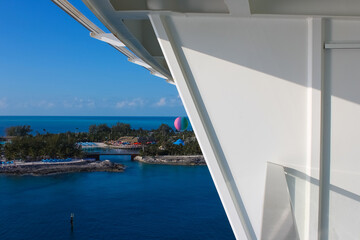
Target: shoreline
(41, 169)
(182, 160)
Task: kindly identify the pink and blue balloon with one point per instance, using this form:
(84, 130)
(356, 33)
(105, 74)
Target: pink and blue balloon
(181, 123)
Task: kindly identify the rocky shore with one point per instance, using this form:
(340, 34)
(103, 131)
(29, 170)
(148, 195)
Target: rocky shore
(172, 160)
(39, 168)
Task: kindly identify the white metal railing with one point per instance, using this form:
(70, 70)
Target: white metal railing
(109, 38)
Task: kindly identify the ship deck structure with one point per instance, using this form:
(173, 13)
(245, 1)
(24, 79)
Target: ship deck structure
(271, 88)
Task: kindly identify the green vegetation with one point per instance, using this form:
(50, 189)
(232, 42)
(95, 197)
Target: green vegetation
(1, 149)
(35, 147)
(162, 138)
(165, 137)
(18, 131)
(168, 148)
(102, 132)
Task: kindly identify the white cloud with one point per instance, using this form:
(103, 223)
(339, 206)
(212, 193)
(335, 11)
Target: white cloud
(45, 104)
(50, 104)
(120, 104)
(90, 103)
(3, 103)
(161, 102)
(136, 102)
(168, 102)
(79, 103)
(67, 104)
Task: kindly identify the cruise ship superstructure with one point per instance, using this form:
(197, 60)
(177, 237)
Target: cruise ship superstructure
(272, 90)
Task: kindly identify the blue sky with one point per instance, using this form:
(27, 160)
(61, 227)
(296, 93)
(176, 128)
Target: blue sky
(49, 65)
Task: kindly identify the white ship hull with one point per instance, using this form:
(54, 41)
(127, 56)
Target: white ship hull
(272, 92)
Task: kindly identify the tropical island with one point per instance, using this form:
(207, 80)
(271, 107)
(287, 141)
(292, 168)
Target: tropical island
(26, 152)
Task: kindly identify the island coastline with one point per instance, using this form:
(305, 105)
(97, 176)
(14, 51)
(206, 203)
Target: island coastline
(183, 160)
(41, 169)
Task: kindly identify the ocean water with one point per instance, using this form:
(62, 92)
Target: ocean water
(56, 124)
(144, 202)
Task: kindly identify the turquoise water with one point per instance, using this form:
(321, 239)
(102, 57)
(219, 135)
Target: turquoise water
(144, 202)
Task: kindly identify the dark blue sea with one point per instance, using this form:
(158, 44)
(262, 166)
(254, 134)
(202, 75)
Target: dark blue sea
(144, 202)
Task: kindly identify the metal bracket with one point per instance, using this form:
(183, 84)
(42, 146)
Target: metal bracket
(342, 45)
(109, 38)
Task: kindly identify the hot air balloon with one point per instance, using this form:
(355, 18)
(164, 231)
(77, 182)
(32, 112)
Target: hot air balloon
(181, 123)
